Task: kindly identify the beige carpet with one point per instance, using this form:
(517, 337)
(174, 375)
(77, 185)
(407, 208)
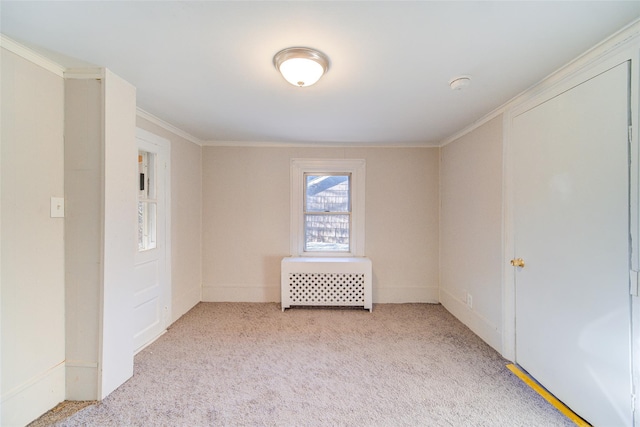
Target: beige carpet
(231, 364)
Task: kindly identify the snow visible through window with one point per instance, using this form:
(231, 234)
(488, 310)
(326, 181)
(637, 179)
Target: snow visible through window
(327, 212)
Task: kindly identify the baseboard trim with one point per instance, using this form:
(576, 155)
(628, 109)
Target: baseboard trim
(241, 293)
(82, 380)
(31, 399)
(185, 301)
(407, 294)
(487, 331)
(247, 293)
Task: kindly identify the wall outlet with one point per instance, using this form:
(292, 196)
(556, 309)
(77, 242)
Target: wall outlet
(469, 301)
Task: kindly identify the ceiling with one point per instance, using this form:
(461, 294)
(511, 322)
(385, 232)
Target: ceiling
(206, 66)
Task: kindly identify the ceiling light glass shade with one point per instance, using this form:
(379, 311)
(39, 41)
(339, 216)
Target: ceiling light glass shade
(301, 66)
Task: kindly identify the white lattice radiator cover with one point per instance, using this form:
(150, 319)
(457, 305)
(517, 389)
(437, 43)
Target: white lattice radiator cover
(326, 281)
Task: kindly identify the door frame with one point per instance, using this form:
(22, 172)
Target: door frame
(163, 145)
(577, 73)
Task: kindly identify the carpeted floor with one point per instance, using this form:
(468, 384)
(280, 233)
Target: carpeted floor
(241, 364)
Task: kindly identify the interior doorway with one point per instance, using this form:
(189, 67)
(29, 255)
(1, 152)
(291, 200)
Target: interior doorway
(152, 293)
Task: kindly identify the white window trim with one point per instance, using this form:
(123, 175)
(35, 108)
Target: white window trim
(356, 167)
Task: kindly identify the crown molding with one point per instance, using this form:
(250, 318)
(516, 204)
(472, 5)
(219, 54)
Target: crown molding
(84, 73)
(272, 144)
(621, 39)
(31, 55)
(168, 126)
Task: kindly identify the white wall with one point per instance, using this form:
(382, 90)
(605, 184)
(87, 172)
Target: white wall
(471, 230)
(101, 170)
(33, 245)
(186, 219)
(32, 263)
(246, 220)
(402, 218)
(101, 175)
(83, 225)
(120, 231)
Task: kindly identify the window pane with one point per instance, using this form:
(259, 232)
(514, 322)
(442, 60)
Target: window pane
(146, 200)
(146, 225)
(327, 233)
(327, 193)
(147, 175)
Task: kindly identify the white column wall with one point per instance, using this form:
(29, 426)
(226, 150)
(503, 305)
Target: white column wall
(101, 170)
(83, 224)
(120, 231)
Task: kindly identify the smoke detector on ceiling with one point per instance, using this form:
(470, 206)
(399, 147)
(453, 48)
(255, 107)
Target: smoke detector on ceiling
(460, 82)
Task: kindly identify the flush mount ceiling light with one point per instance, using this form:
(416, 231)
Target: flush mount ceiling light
(301, 66)
(459, 83)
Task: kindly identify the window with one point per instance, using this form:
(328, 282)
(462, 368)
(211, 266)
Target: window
(327, 207)
(327, 212)
(147, 201)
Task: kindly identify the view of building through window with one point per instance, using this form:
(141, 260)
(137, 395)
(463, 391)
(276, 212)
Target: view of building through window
(147, 202)
(327, 212)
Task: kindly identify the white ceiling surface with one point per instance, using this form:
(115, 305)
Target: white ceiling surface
(206, 67)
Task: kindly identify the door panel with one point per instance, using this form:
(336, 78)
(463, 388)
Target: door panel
(571, 204)
(147, 302)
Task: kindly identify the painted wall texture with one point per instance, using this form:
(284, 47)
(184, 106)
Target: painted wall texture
(32, 260)
(246, 220)
(471, 229)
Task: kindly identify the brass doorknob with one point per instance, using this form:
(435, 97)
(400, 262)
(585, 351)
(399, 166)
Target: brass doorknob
(517, 262)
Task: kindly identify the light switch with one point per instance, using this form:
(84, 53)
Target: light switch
(57, 207)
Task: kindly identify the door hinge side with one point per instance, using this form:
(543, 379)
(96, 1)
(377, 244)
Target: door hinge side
(633, 282)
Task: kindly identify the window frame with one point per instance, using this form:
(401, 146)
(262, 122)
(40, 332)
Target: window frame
(300, 167)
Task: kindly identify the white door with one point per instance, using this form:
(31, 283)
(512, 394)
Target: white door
(571, 204)
(152, 293)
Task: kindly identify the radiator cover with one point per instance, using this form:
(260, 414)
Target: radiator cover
(326, 282)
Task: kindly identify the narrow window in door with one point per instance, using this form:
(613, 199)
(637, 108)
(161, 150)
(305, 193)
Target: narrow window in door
(147, 200)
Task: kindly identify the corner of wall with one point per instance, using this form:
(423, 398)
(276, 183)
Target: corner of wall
(481, 326)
